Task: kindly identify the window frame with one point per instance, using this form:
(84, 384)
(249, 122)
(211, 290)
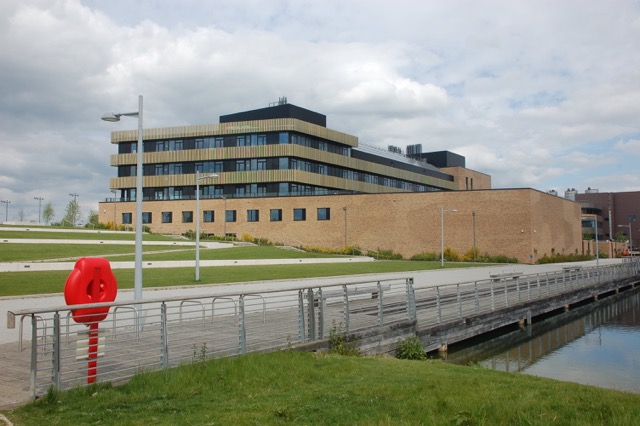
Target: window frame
(299, 214)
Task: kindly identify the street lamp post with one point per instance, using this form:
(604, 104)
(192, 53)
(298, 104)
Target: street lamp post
(225, 217)
(113, 191)
(39, 206)
(594, 218)
(6, 215)
(113, 117)
(345, 226)
(198, 179)
(473, 220)
(442, 211)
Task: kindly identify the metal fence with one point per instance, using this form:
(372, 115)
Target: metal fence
(454, 302)
(156, 334)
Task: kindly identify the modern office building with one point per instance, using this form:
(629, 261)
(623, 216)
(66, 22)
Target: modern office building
(615, 213)
(279, 173)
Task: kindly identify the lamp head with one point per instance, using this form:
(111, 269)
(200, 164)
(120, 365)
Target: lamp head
(111, 117)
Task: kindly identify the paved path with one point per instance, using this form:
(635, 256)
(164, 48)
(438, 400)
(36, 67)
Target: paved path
(14, 365)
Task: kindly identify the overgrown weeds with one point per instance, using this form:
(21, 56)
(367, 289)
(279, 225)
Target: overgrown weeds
(341, 343)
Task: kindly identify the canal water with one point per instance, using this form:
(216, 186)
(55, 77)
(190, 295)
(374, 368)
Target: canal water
(596, 344)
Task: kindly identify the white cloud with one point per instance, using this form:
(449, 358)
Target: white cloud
(531, 92)
(629, 146)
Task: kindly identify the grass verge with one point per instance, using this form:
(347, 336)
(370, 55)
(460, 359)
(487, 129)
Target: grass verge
(306, 388)
(122, 253)
(87, 235)
(43, 282)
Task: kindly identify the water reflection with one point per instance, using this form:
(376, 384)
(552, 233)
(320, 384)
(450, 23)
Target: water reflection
(598, 344)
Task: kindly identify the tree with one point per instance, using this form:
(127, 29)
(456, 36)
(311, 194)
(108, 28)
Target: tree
(93, 219)
(21, 215)
(48, 212)
(72, 213)
(620, 237)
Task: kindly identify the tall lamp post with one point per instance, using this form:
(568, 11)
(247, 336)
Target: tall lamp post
(225, 217)
(113, 191)
(473, 220)
(594, 218)
(345, 226)
(198, 179)
(39, 206)
(442, 212)
(6, 215)
(113, 117)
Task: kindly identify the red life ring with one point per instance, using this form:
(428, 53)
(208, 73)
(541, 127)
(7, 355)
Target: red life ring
(91, 281)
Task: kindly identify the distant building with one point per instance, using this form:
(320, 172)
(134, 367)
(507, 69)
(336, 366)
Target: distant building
(616, 213)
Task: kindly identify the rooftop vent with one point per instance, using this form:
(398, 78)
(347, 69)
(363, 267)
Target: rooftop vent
(281, 101)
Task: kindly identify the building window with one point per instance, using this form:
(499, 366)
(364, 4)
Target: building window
(187, 217)
(324, 213)
(146, 217)
(208, 216)
(167, 217)
(253, 215)
(299, 214)
(230, 216)
(275, 215)
(126, 218)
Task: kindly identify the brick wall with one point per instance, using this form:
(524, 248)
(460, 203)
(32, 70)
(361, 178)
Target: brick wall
(521, 223)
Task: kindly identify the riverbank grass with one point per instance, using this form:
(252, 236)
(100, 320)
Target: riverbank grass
(313, 388)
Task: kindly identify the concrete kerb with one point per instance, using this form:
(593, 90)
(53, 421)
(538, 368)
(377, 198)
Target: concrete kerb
(68, 266)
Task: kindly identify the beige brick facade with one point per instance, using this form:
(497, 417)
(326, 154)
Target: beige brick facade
(467, 179)
(521, 223)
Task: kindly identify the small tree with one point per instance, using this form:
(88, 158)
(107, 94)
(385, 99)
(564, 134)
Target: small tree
(93, 219)
(21, 215)
(72, 213)
(48, 212)
(620, 237)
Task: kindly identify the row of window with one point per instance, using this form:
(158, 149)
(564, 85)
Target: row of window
(281, 163)
(249, 190)
(253, 215)
(230, 141)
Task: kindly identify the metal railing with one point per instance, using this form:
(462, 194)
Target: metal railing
(454, 302)
(163, 333)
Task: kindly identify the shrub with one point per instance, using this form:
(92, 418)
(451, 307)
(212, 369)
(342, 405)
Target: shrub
(470, 255)
(411, 348)
(558, 258)
(450, 255)
(385, 255)
(348, 250)
(426, 257)
(341, 343)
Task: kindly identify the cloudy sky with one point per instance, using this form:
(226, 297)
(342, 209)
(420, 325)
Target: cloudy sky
(542, 94)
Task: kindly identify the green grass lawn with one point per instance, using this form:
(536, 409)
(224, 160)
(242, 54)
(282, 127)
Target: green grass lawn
(74, 235)
(43, 282)
(290, 387)
(10, 252)
(53, 252)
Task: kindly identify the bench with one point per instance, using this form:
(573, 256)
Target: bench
(503, 276)
(351, 292)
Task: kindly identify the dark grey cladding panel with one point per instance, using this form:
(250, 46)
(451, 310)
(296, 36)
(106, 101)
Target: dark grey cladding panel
(278, 111)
